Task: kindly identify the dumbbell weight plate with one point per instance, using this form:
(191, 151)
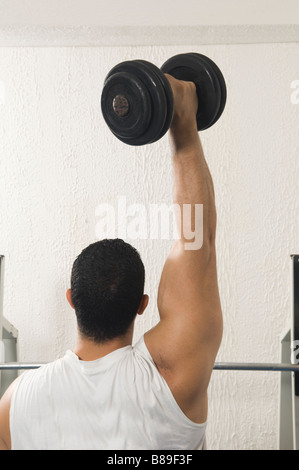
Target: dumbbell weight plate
(126, 105)
(195, 68)
(147, 103)
(168, 95)
(221, 83)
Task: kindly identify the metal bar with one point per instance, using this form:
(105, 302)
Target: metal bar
(256, 366)
(19, 366)
(251, 366)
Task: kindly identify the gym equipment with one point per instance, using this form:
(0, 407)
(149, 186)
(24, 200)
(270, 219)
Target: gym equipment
(241, 366)
(137, 100)
(8, 340)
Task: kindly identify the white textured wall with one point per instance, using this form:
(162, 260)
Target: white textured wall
(157, 12)
(59, 161)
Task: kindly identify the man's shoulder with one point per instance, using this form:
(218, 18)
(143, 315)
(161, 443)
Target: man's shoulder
(40, 376)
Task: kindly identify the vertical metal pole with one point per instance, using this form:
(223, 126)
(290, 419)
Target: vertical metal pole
(1, 310)
(286, 394)
(294, 346)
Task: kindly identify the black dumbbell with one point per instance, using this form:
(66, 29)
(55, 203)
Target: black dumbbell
(137, 100)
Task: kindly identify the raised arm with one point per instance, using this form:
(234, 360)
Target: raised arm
(185, 342)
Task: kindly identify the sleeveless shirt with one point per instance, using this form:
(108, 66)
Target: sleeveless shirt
(119, 401)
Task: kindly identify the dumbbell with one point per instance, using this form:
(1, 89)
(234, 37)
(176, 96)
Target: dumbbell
(137, 100)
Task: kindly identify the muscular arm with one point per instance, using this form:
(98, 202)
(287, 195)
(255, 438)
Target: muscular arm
(185, 342)
(5, 440)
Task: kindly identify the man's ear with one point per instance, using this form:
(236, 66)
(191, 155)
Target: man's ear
(69, 298)
(143, 304)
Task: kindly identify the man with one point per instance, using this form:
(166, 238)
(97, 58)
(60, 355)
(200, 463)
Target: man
(107, 394)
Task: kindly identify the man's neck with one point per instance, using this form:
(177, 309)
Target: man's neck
(88, 350)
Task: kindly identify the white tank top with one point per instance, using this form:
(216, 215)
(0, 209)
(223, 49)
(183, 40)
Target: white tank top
(118, 402)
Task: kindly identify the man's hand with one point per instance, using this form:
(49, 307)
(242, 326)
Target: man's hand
(185, 101)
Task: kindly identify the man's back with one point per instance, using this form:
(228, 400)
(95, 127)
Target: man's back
(119, 401)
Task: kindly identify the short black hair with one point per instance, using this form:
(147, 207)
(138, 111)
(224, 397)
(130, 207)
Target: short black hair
(107, 285)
